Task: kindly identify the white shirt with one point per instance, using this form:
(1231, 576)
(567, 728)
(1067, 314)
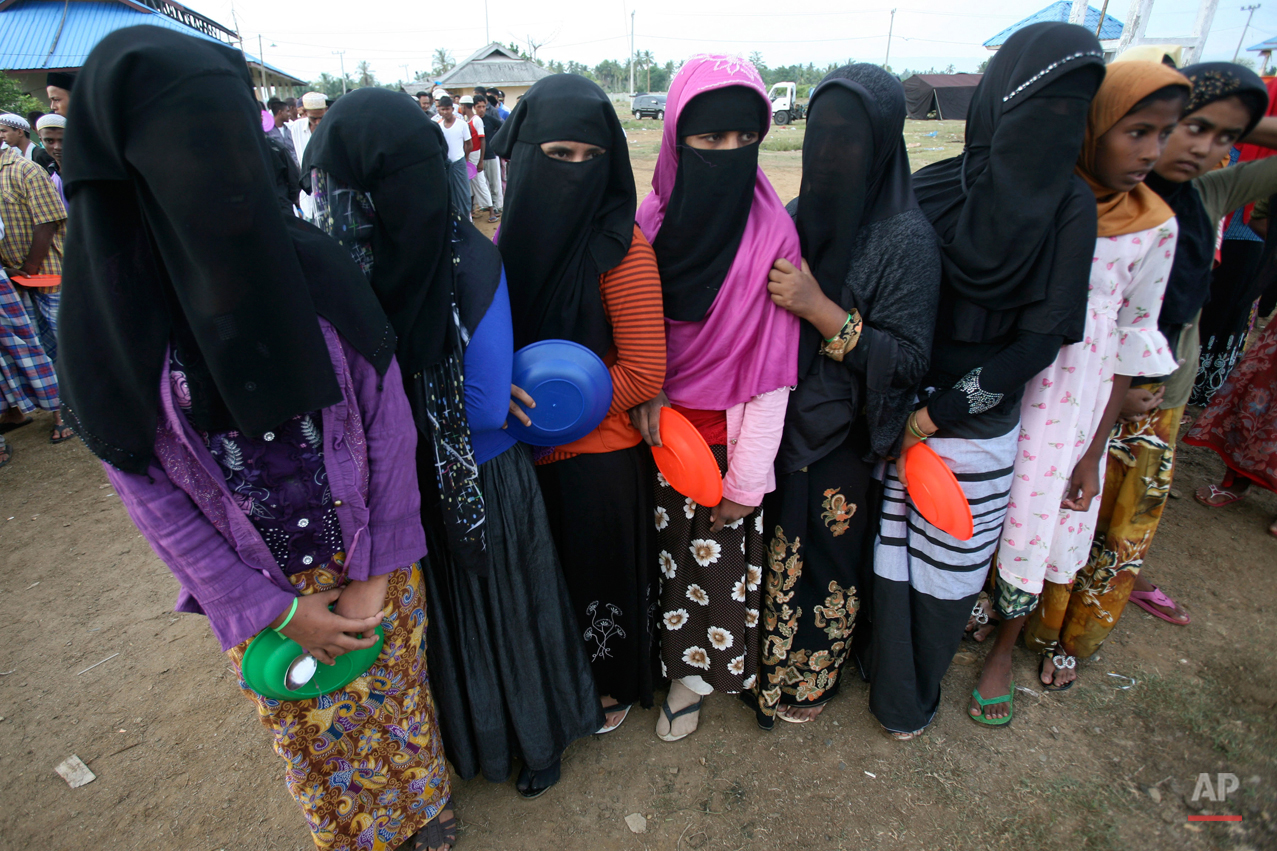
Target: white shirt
(457, 135)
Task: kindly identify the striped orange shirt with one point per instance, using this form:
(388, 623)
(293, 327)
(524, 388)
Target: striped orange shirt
(633, 305)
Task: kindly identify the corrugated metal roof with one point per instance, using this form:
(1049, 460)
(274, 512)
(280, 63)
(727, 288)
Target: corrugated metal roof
(1060, 12)
(30, 39)
(502, 69)
(1270, 44)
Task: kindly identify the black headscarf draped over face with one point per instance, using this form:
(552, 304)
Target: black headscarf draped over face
(1188, 286)
(176, 234)
(997, 207)
(564, 224)
(379, 142)
(710, 205)
(855, 172)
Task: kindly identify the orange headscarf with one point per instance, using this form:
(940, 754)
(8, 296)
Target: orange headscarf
(1125, 84)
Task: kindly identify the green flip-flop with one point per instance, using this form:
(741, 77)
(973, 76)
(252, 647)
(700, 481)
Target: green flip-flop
(993, 722)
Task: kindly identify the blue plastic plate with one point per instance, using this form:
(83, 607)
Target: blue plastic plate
(572, 389)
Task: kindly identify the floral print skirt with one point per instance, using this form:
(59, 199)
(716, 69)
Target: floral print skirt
(1137, 481)
(711, 589)
(817, 519)
(365, 764)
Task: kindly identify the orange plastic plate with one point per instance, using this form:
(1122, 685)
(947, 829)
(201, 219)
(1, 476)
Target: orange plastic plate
(686, 461)
(936, 493)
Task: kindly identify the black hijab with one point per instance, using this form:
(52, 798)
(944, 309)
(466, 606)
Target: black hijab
(564, 224)
(379, 142)
(855, 172)
(710, 205)
(996, 208)
(176, 235)
(1188, 287)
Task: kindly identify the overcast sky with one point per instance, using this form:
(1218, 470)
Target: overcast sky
(300, 36)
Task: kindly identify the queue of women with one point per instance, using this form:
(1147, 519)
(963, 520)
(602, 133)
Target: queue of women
(308, 423)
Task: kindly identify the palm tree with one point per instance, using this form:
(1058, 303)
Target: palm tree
(443, 61)
(364, 74)
(647, 60)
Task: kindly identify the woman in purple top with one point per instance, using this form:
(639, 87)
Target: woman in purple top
(237, 375)
(512, 675)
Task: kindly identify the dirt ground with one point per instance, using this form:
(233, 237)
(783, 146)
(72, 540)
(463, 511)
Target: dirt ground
(182, 762)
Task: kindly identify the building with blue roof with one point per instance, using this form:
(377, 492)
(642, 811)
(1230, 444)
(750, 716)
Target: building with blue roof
(1265, 50)
(1059, 12)
(38, 36)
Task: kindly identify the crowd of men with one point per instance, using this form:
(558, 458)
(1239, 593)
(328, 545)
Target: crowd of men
(468, 122)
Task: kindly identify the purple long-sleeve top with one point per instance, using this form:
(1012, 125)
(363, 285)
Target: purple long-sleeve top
(184, 509)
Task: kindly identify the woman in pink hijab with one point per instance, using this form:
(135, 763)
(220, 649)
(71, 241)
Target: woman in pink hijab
(717, 227)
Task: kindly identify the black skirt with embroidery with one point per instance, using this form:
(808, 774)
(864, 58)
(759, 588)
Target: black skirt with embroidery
(818, 522)
(601, 507)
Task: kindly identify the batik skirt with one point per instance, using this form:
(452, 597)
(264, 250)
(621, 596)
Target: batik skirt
(1241, 422)
(600, 507)
(512, 678)
(711, 589)
(817, 518)
(926, 581)
(365, 763)
(1137, 481)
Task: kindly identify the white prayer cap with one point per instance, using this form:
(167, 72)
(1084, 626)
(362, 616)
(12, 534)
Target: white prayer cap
(17, 122)
(314, 100)
(50, 120)
(467, 100)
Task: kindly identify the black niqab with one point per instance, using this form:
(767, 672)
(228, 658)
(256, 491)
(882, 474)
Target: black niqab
(855, 172)
(564, 224)
(1188, 286)
(711, 202)
(995, 208)
(381, 143)
(176, 233)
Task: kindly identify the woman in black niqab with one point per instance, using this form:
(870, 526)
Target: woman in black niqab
(176, 234)
(873, 255)
(564, 224)
(997, 207)
(511, 674)
(1017, 233)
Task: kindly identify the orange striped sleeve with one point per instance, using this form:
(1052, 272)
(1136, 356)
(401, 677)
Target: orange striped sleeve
(632, 300)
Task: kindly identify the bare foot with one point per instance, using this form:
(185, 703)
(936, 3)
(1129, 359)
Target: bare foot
(995, 681)
(1057, 677)
(4, 452)
(799, 714)
(1272, 530)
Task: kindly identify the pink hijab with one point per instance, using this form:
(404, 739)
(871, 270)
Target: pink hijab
(745, 345)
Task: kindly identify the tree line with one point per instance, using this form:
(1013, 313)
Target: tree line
(650, 75)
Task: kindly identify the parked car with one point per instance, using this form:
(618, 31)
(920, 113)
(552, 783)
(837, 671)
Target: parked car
(648, 106)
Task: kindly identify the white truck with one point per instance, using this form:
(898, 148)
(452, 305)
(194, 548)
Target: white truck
(785, 105)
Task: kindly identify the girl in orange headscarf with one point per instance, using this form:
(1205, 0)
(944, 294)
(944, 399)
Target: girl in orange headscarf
(1070, 407)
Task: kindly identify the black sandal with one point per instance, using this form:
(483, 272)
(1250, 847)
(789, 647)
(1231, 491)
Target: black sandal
(436, 833)
(533, 783)
(7, 427)
(57, 436)
(672, 716)
(1060, 661)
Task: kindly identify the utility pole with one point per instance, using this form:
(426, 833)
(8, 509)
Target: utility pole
(1104, 10)
(342, 54)
(1240, 41)
(261, 57)
(487, 33)
(886, 63)
(632, 13)
(406, 78)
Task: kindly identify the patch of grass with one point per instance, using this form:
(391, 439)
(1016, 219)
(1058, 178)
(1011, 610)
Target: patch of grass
(791, 140)
(1208, 710)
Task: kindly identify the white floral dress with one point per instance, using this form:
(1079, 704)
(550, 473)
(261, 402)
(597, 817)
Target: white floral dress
(1064, 404)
